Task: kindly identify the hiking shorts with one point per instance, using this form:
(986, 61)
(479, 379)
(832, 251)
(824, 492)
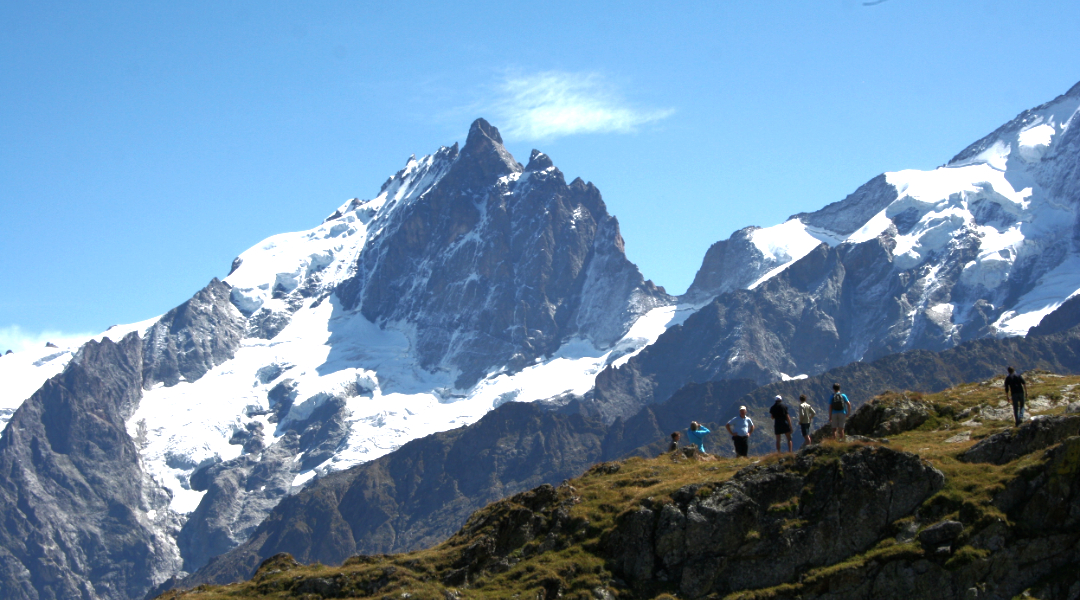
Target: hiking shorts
(781, 427)
(838, 420)
(742, 444)
(805, 429)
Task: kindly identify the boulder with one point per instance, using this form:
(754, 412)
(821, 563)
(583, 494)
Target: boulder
(888, 414)
(940, 534)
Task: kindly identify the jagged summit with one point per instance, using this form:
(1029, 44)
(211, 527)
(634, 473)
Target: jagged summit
(483, 157)
(538, 161)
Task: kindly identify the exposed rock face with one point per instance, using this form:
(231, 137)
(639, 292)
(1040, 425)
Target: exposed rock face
(824, 311)
(76, 506)
(1037, 557)
(729, 265)
(1011, 444)
(192, 338)
(737, 262)
(848, 215)
(768, 524)
(81, 517)
(239, 495)
(498, 264)
(1063, 318)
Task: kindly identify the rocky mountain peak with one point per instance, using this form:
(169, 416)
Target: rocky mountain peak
(484, 157)
(538, 161)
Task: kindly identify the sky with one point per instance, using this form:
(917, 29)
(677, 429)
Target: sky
(145, 145)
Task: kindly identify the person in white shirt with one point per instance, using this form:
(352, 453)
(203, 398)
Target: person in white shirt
(740, 428)
(806, 418)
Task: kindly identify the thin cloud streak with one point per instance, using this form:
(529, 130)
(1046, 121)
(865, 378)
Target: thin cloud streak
(556, 104)
(12, 337)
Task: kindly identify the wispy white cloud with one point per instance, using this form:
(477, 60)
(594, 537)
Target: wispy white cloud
(12, 337)
(555, 104)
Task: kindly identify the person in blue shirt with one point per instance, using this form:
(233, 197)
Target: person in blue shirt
(695, 435)
(840, 408)
(740, 428)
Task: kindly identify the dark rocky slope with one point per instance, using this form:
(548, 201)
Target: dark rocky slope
(73, 497)
(80, 517)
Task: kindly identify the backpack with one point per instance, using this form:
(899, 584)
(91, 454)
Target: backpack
(837, 402)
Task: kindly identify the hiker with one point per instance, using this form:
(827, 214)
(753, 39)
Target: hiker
(781, 422)
(696, 435)
(1016, 392)
(806, 417)
(674, 442)
(839, 407)
(740, 428)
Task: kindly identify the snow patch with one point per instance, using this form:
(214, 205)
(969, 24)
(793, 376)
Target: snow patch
(1033, 143)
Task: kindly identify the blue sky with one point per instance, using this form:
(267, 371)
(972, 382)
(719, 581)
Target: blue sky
(144, 145)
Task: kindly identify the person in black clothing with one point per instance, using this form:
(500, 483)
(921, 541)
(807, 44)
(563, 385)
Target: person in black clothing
(781, 422)
(674, 441)
(1016, 391)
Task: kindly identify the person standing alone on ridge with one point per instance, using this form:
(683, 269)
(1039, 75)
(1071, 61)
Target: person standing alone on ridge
(695, 434)
(806, 417)
(740, 428)
(781, 422)
(839, 407)
(1016, 391)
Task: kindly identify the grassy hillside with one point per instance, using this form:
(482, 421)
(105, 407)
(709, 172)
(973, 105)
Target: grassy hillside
(577, 540)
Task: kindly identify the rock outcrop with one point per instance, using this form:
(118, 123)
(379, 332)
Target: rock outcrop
(1013, 443)
(768, 524)
(888, 415)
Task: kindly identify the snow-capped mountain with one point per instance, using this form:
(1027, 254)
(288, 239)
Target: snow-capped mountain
(986, 245)
(467, 282)
(1005, 209)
